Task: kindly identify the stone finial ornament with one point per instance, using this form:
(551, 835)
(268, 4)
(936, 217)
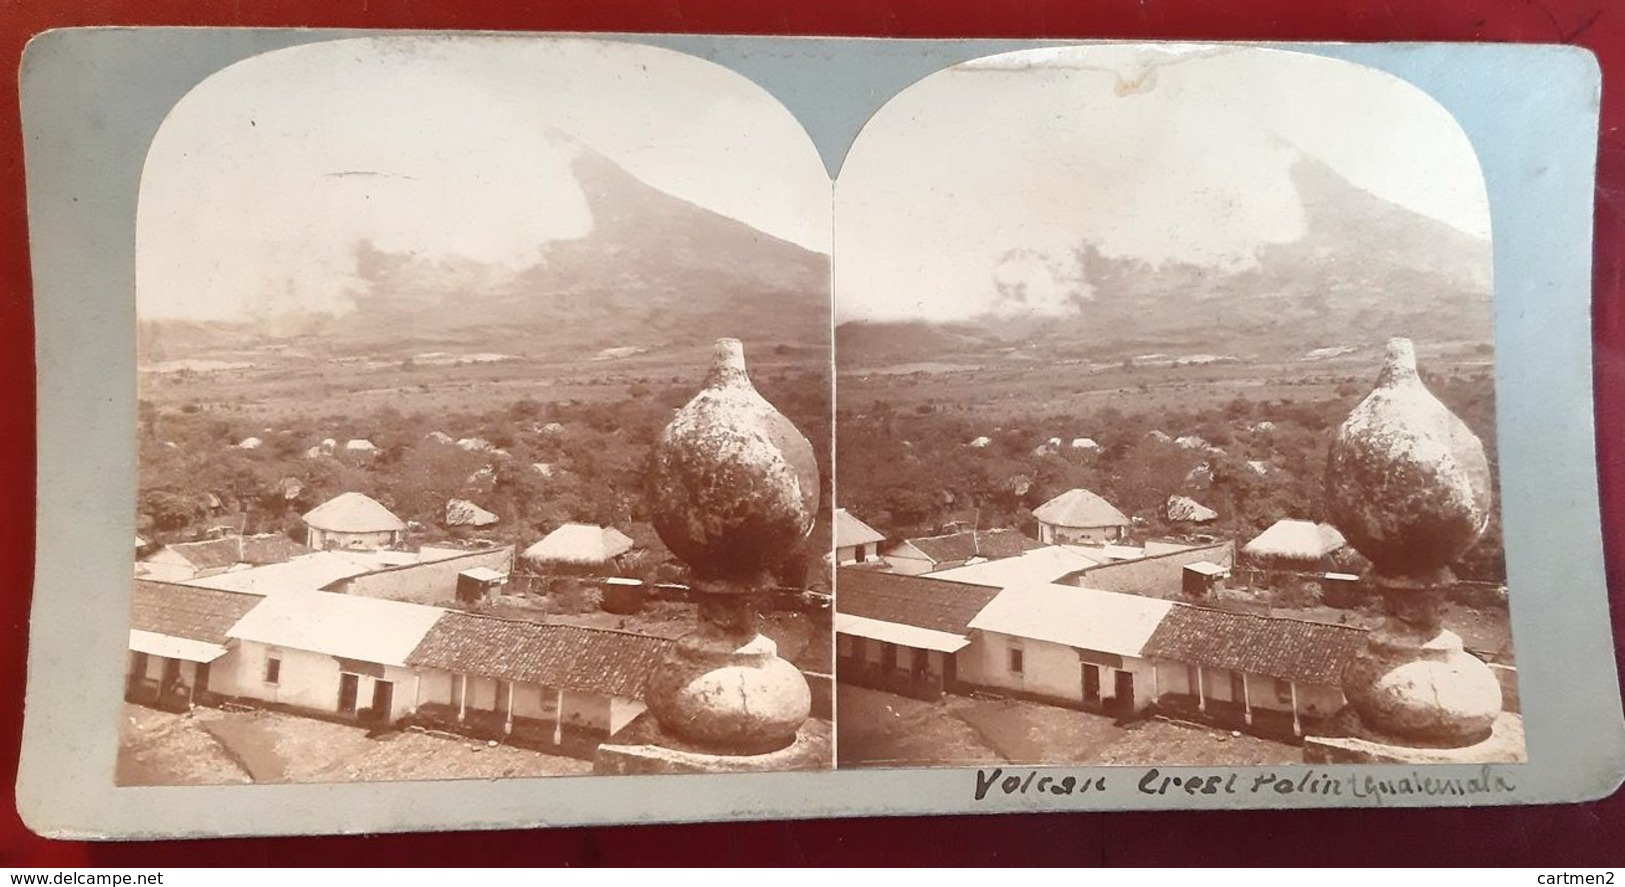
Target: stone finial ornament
(1409, 486)
(733, 488)
(1407, 481)
(734, 485)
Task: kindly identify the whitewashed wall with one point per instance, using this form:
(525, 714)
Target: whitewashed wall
(1048, 669)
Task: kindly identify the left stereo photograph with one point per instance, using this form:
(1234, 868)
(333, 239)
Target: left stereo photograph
(483, 420)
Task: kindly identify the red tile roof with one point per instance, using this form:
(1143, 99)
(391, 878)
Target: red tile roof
(910, 600)
(183, 611)
(591, 660)
(1274, 646)
(959, 547)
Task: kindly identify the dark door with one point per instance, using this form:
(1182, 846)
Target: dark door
(200, 681)
(950, 672)
(1091, 684)
(138, 673)
(349, 686)
(383, 698)
(1125, 692)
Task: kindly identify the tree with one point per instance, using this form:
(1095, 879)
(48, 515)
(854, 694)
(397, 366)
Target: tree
(170, 511)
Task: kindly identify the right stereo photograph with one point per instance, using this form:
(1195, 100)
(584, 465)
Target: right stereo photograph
(1165, 420)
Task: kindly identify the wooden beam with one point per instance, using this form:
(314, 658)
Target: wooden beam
(1201, 690)
(558, 718)
(1297, 728)
(508, 727)
(1246, 700)
(462, 697)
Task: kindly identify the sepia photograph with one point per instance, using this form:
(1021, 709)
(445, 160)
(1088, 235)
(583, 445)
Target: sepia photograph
(428, 424)
(484, 420)
(1165, 422)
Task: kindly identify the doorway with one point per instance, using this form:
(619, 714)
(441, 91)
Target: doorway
(1091, 684)
(349, 688)
(1125, 692)
(383, 699)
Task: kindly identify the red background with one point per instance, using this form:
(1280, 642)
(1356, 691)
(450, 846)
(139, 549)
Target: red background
(1567, 835)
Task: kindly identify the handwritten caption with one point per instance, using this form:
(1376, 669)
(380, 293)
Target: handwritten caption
(998, 782)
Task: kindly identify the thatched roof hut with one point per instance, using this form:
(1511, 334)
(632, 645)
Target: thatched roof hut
(1080, 508)
(578, 545)
(353, 513)
(1290, 541)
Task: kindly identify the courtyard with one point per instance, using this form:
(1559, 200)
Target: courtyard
(218, 747)
(880, 729)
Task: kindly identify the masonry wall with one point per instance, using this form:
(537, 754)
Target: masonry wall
(1160, 576)
(1049, 671)
(863, 662)
(154, 672)
(1051, 534)
(532, 701)
(434, 582)
(224, 672)
(321, 539)
(908, 565)
(1176, 678)
(857, 554)
(310, 681)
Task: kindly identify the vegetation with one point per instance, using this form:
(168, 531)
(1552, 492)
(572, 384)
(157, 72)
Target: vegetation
(548, 463)
(907, 466)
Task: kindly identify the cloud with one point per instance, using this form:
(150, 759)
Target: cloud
(1032, 284)
(264, 178)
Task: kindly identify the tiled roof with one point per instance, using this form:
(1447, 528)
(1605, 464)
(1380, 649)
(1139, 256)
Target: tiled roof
(976, 543)
(591, 660)
(1080, 509)
(201, 614)
(910, 600)
(1290, 649)
(208, 554)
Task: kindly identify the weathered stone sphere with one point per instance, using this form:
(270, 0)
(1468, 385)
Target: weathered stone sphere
(751, 702)
(733, 485)
(1445, 697)
(1407, 482)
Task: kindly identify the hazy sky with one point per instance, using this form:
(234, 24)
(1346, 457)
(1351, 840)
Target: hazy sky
(263, 178)
(989, 175)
